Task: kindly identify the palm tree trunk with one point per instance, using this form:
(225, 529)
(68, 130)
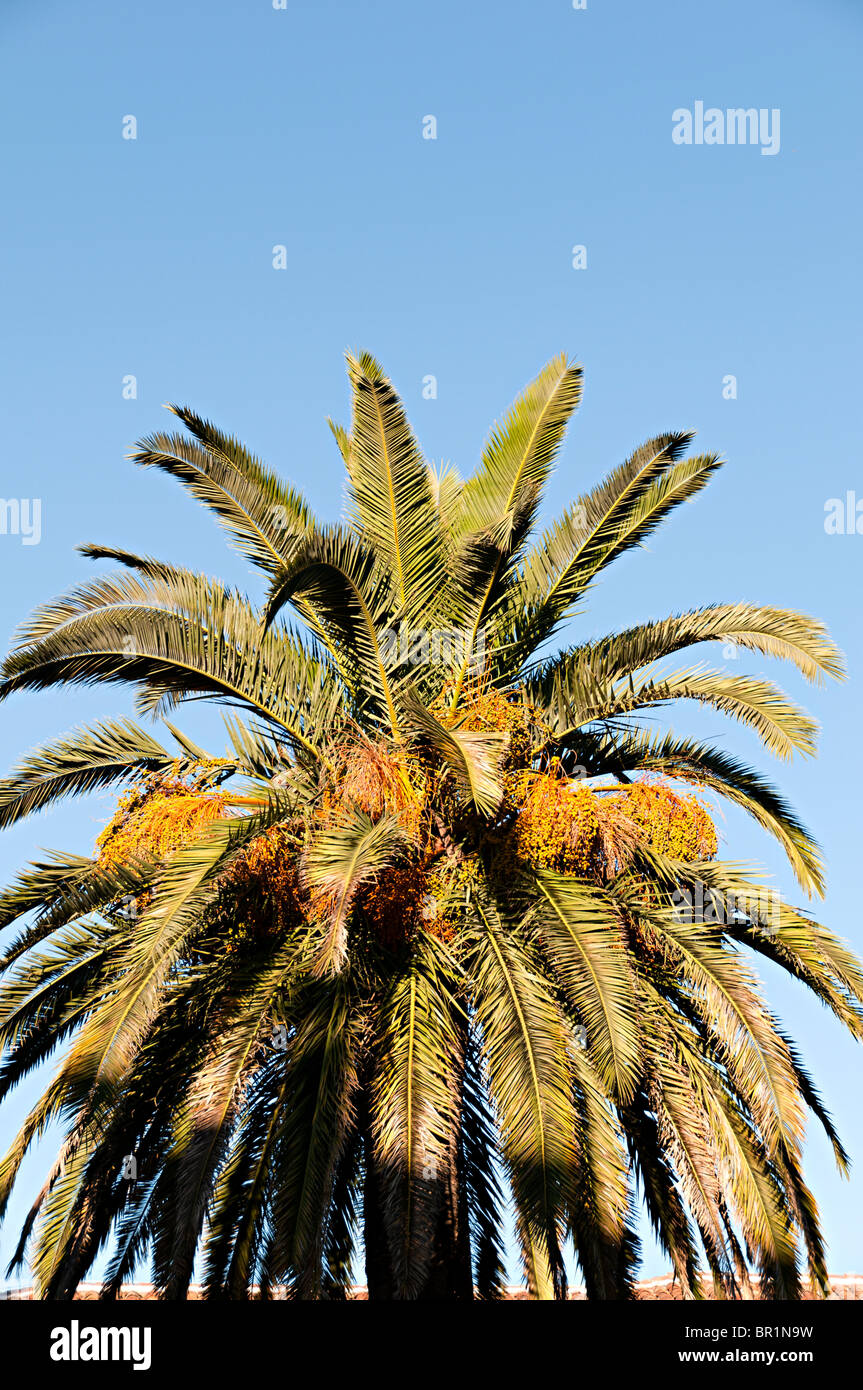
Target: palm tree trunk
(380, 1280)
(448, 1276)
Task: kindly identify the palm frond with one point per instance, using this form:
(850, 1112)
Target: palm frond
(338, 581)
(716, 771)
(174, 640)
(473, 757)
(390, 488)
(84, 760)
(337, 864)
(619, 514)
(776, 632)
(262, 515)
(583, 937)
(518, 457)
(525, 1041)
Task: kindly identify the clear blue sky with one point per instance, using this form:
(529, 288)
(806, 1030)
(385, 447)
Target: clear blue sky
(451, 257)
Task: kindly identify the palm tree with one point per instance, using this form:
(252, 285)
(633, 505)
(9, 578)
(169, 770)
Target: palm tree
(421, 939)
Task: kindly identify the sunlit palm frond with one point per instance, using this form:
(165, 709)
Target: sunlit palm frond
(338, 580)
(337, 864)
(86, 759)
(390, 488)
(582, 935)
(263, 516)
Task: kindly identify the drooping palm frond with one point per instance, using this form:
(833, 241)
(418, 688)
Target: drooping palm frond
(472, 756)
(172, 640)
(782, 726)
(262, 515)
(43, 1000)
(315, 1125)
(338, 580)
(733, 896)
(337, 865)
(583, 938)
(110, 1036)
(203, 1127)
(525, 1041)
(83, 761)
(716, 771)
(775, 632)
(602, 1219)
(479, 1166)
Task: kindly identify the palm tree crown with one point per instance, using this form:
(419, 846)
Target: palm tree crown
(443, 921)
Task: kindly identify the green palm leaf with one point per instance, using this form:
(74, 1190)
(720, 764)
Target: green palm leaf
(583, 937)
(263, 516)
(390, 487)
